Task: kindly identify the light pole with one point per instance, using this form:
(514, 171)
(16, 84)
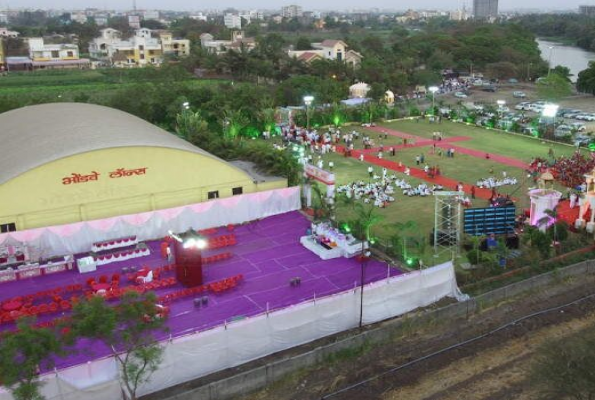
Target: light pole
(363, 259)
(308, 102)
(433, 89)
(500, 107)
(529, 71)
(549, 63)
(550, 111)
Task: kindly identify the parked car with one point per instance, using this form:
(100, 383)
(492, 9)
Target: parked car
(460, 95)
(524, 106)
(562, 131)
(490, 88)
(530, 130)
(578, 126)
(519, 95)
(582, 140)
(572, 114)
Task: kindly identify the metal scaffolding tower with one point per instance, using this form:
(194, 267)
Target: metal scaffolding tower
(447, 223)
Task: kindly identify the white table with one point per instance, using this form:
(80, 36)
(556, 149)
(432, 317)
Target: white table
(86, 264)
(326, 254)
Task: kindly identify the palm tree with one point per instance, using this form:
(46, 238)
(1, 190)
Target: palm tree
(233, 121)
(402, 229)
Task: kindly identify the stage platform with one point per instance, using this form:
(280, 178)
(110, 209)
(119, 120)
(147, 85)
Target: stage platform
(268, 254)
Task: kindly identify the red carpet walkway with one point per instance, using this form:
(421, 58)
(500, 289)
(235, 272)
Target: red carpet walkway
(418, 143)
(513, 162)
(448, 183)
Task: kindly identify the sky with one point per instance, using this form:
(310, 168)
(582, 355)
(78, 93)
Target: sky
(186, 5)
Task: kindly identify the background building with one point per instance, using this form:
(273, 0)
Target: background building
(140, 50)
(292, 11)
(232, 21)
(485, 9)
(587, 10)
(91, 162)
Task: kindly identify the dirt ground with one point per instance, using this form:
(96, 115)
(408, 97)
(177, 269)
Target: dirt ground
(492, 368)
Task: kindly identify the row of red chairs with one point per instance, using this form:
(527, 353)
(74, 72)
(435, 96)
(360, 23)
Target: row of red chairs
(216, 257)
(217, 287)
(222, 241)
(207, 232)
(225, 284)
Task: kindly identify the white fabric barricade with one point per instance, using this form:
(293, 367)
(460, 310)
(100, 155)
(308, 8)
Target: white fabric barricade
(199, 354)
(79, 237)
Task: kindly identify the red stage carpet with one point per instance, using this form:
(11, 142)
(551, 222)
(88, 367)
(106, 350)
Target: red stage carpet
(569, 215)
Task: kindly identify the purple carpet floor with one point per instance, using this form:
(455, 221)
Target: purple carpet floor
(268, 254)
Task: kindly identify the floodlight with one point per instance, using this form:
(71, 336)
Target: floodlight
(550, 110)
(308, 100)
(501, 102)
(433, 89)
(188, 243)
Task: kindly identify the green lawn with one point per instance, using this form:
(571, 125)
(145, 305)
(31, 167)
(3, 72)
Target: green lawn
(490, 141)
(462, 167)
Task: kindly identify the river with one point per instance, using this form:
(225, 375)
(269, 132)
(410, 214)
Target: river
(574, 58)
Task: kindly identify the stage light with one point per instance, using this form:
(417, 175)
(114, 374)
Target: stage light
(188, 243)
(200, 243)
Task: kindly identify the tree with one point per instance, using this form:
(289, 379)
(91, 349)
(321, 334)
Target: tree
(303, 43)
(553, 88)
(128, 331)
(563, 71)
(234, 121)
(586, 79)
(192, 127)
(22, 354)
(564, 368)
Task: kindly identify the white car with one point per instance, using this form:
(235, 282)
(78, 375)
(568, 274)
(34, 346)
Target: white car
(518, 94)
(460, 95)
(524, 106)
(578, 126)
(589, 117)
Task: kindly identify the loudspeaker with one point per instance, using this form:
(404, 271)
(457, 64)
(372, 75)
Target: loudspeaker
(512, 242)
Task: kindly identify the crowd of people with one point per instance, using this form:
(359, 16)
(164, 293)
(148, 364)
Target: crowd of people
(382, 189)
(569, 171)
(492, 182)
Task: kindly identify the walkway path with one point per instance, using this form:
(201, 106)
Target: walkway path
(513, 162)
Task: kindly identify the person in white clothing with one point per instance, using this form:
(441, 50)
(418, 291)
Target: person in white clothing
(361, 157)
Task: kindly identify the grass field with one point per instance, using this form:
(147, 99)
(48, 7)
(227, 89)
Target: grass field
(464, 168)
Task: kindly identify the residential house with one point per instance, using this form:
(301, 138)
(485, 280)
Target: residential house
(173, 46)
(54, 56)
(140, 50)
(237, 42)
(329, 50)
(4, 32)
